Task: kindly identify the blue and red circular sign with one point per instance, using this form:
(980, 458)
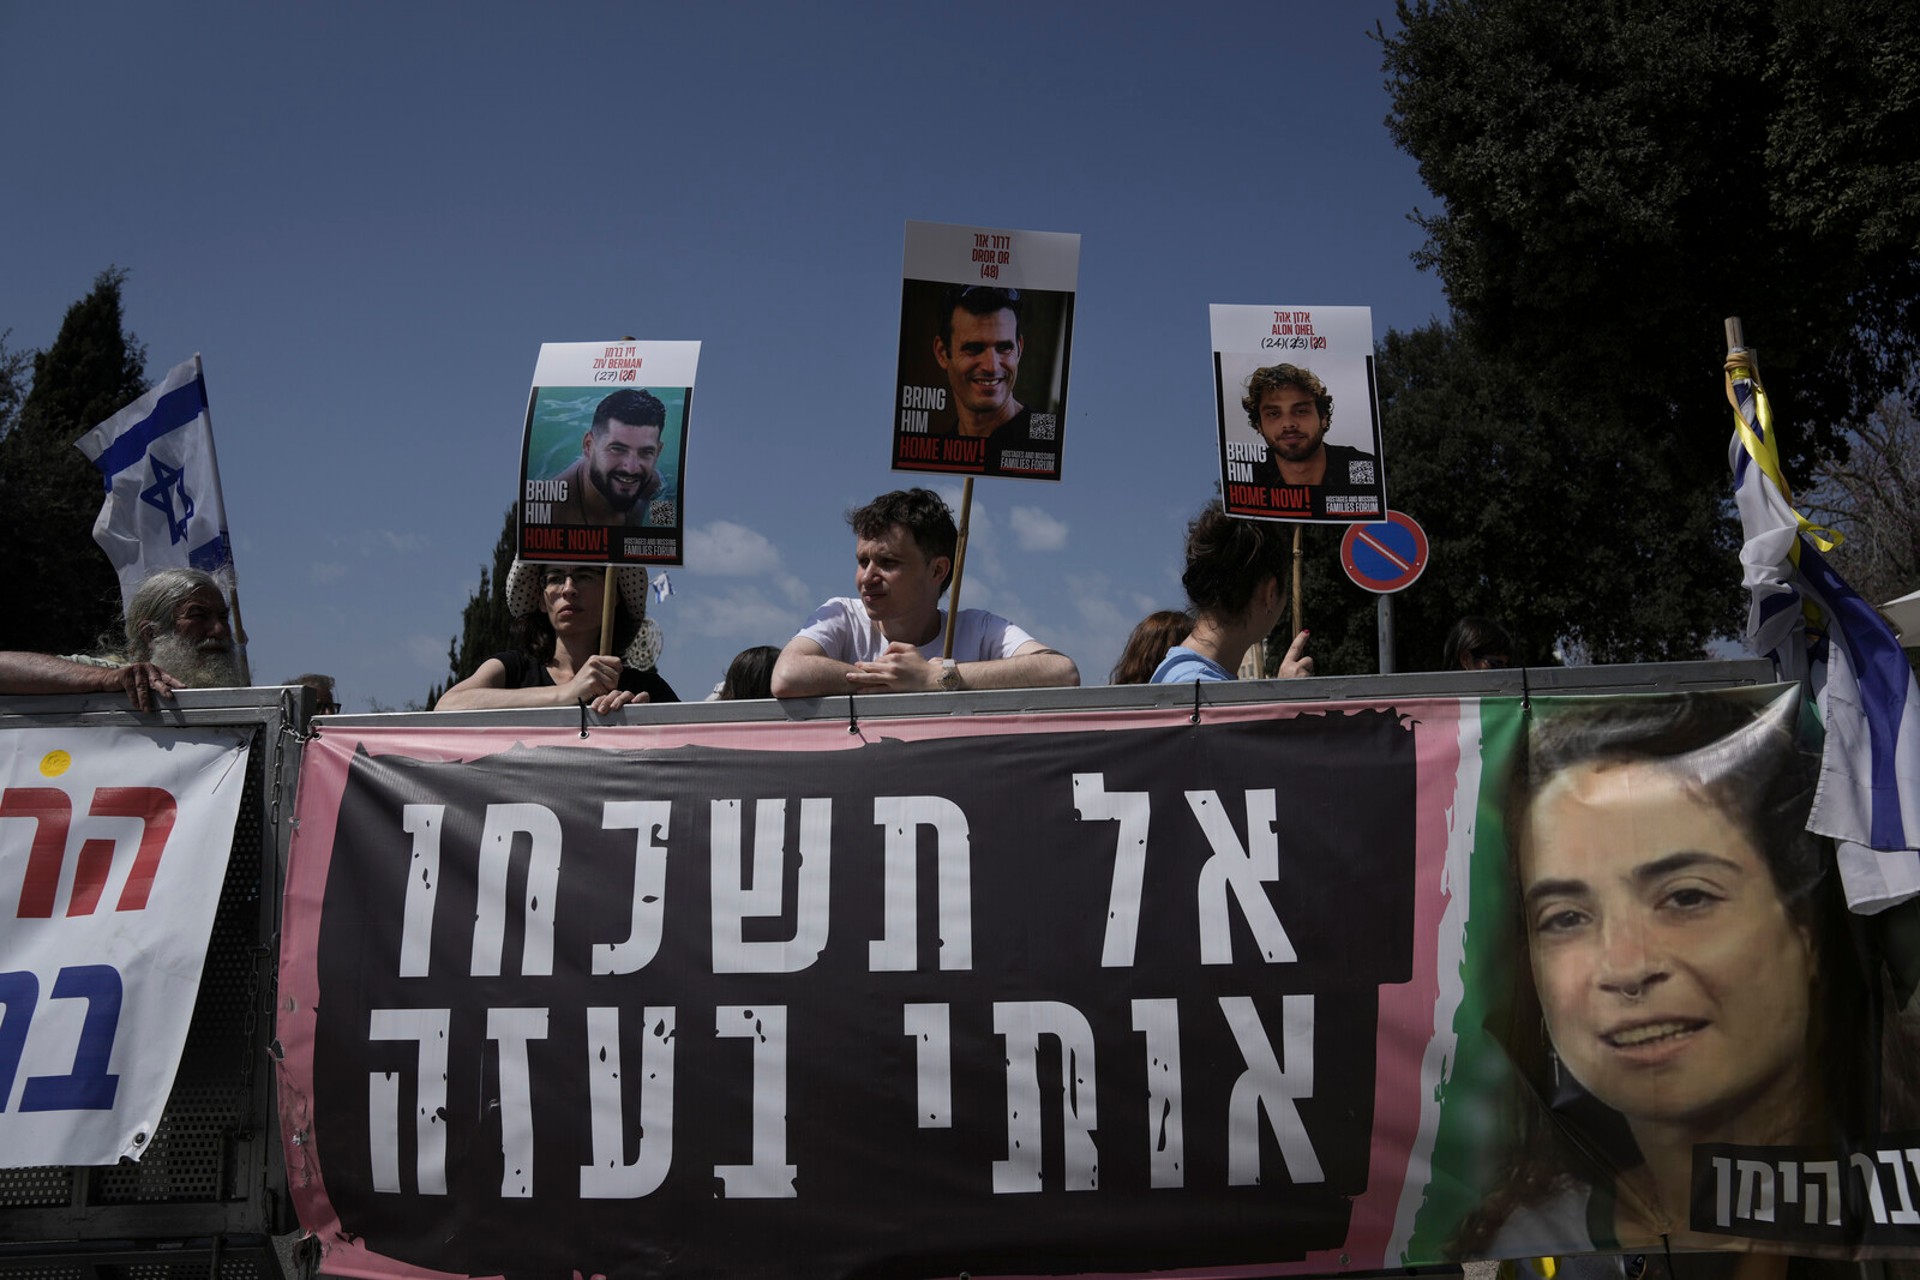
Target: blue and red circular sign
(1385, 557)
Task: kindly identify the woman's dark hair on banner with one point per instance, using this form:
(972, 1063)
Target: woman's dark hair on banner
(1685, 971)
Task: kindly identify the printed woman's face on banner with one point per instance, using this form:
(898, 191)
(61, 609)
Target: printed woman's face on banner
(1676, 985)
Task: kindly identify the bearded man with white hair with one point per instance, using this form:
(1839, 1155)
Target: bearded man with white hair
(177, 620)
(177, 637)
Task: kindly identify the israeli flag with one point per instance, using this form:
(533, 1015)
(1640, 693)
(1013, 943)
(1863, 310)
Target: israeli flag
(662, 586)
(1869, 794)
(163, 508)
(1813, 625)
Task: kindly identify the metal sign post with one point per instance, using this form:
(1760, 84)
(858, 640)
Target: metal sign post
(1384, 558)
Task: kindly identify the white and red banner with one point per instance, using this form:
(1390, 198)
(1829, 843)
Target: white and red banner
(113, 848)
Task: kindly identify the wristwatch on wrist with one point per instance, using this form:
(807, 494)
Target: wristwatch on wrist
(950, 675)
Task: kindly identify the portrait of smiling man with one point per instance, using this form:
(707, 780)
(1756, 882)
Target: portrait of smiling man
(617, 473)
(979, 348)
(889, 638)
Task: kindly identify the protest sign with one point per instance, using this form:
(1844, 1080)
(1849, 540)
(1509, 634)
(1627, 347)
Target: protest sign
(986, 332)
(603, 457)
(1285, 453)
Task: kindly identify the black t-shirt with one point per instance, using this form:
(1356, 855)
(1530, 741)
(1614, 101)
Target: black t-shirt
(524, 673)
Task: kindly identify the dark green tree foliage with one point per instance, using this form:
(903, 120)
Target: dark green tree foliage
(61, 592)
(1844, 141)
(15, 370)
(1616, 179)
(486, 627)
(1565, 540)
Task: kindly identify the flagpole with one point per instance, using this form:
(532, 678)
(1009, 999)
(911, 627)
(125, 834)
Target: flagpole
(1298, 556)
(959, 565)
(233, 568)
(609, 589)
(240, 633)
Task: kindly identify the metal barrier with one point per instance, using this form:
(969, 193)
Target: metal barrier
(209, 1196)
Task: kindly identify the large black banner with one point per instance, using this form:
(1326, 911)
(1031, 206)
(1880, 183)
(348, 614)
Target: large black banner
(1028, 1002)
(1265, 990)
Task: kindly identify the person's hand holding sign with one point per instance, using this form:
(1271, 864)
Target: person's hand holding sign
(597, 682)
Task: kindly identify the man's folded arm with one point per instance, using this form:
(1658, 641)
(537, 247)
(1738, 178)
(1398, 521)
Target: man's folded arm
(804, 670)
(1032, 666)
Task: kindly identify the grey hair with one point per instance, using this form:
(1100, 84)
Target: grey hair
(155, 603)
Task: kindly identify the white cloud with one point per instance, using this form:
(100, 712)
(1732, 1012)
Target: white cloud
(1036, 530)
(797, 592)
(1099, 612)
(1089, 617)
(728, 550)
(325, 571)
(950, 493)
(743, 614)
(385, 542)
(731, 550)
(983, 541)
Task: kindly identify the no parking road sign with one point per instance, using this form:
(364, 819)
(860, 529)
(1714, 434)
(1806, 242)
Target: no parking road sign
(1385, 557)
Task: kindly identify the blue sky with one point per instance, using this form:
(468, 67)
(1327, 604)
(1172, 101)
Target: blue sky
(367, 217)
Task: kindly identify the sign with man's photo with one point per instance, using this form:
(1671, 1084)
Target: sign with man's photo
(1285, 454)
(603, 460)
(986, 331)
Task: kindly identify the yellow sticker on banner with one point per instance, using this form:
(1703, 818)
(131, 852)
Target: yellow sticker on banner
(55, 763)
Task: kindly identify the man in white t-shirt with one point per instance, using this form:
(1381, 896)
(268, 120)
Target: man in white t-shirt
(889, 639)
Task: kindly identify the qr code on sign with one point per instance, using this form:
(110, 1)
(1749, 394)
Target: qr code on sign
(1040, 427)
(1360, 473)
(663, 513)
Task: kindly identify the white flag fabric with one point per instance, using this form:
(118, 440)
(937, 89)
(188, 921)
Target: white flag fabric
(116, 840)
(1869, 794)
(662, 586)
(1807, 619)
(163, 508)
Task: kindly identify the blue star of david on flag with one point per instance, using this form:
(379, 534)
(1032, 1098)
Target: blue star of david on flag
(162, 507)
(167, 481)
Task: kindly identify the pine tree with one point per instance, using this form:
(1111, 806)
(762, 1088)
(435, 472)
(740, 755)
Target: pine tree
(61, 592)
(486, 627)
(15, 377)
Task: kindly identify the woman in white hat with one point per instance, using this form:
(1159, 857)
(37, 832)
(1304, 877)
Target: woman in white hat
(559, 664)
